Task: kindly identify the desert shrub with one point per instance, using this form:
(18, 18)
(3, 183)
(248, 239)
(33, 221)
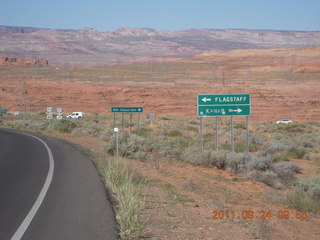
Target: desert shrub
(192, 129)
(193, 121)
(166, 147)
(106, 134)
(268, 177)
(240, 147)
(236, 162)
(240, 126)
(192, 155)
(183, 142)
(209, 159)
(279, 147)
(144, 132)
(286, 172)
(130, 146)
(261, 163)
(255, 138)
(300, 153)
(306, 195)
(64, 126)
(214, 159)
(253, 147)
(280, 157)
(28, 125)
(166, 118)
(88, 129)
(174, 133)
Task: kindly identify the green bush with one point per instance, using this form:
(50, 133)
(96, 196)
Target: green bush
(144, 132)
(64, 126)
(306, 195)
(193, 129)
(130, 146)
(192, 155)
(166, 147)
(174, 133)
(88, 129)
(280, 157)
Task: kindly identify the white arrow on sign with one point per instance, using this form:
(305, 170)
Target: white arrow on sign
(206, 99)
(235, 110)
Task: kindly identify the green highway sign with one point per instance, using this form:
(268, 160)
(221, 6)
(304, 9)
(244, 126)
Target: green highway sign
(219, 105)
(220, 111)
(223, 99)
(127, 109)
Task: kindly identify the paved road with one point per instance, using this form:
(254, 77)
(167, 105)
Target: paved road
(52, 198)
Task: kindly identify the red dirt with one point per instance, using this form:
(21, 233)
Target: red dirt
(241, 71)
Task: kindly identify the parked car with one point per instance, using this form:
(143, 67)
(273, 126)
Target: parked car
(75, 115)
(284, 121)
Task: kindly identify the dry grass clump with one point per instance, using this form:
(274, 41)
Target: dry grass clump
(126, 188)
(130, 146)
(306, 195)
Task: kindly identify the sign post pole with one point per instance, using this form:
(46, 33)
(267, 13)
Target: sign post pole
(216, 128)
(247, 134)
(116, 131)
(139, 132)
(114, 120)
(122, 121)
(130, 121)
(231, 134)
(201, 137)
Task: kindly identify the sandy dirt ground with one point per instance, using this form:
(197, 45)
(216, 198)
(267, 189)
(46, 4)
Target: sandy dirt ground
(181, 201)
(282, 84)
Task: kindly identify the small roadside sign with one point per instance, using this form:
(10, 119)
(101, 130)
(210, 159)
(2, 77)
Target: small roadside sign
(127, 109)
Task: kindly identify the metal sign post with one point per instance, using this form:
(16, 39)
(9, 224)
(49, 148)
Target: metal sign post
(216, 128)
(139, 130)
(201, 137)
(231, 134)
(247, 134)
(116, 132)
(122, 121)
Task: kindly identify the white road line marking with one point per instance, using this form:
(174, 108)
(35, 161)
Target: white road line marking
(26, 222)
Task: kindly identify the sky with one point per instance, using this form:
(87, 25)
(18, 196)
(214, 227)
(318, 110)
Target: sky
(176, 15)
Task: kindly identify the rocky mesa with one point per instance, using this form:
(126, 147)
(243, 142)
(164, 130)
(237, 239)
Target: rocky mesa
(129, 44)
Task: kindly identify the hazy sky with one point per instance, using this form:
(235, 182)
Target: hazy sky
(109, 15)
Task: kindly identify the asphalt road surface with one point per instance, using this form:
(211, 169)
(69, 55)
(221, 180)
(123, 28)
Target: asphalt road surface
(50, 191)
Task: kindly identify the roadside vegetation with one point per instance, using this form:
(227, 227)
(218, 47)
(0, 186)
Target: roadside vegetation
(126, 185)
(275, 151)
